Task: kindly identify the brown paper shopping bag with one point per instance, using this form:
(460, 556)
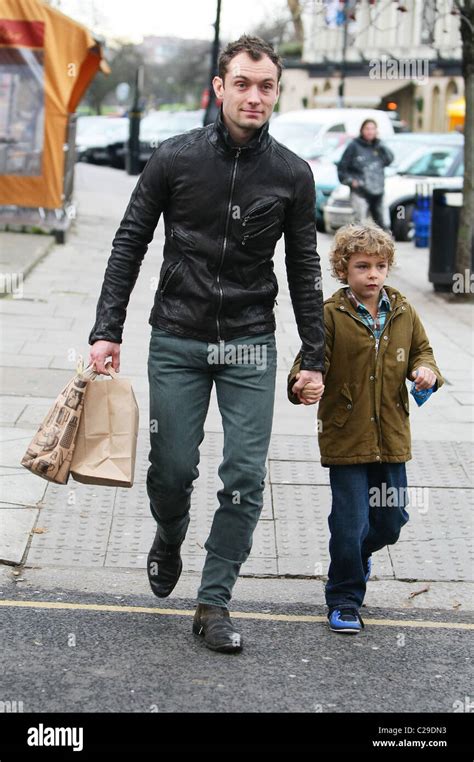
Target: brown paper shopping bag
(50, 452)
(106, 441)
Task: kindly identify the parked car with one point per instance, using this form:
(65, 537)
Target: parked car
(101, 139)
(312, 133)
(160, 125)
(326, 179)
(436, 160)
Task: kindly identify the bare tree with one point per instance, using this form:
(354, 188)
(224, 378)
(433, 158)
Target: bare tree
(296, 14)
(466, 221)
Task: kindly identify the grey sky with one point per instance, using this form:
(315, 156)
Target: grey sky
(180, 18)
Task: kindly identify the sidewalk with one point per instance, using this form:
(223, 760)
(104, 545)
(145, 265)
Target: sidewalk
(103, 534)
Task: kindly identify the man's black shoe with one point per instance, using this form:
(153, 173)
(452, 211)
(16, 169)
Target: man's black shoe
(164, 566)
(214, 624)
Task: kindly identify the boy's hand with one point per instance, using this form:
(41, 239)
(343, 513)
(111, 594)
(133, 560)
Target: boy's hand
(424, 378)
(311, 381)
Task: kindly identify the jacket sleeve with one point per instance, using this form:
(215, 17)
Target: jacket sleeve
(304, 270)
(386, 154)
(292, 378)
(344, 170)
(129, 246)
(329, 333)
(421, 352)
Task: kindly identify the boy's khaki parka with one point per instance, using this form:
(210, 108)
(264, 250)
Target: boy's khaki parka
(363, 416)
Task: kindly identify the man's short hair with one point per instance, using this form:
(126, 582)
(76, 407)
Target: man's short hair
(255, 47)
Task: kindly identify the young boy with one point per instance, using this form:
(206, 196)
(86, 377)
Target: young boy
(374, 342)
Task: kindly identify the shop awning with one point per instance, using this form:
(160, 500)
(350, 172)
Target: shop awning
(47, 61)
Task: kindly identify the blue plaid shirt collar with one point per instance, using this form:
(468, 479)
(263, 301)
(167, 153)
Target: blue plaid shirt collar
(384, 301)
(375, 325)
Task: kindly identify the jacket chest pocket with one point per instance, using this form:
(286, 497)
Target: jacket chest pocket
(181, 239)
(262, 221)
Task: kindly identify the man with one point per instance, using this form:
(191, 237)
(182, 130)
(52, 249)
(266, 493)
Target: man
(227, 193)
(362, 168)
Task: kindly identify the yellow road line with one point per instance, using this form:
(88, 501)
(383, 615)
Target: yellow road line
(235, 614)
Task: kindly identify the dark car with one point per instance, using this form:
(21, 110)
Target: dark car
(102, 139)
(160, 125)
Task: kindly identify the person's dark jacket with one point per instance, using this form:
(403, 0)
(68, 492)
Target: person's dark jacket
(224, 209)
(364, 161)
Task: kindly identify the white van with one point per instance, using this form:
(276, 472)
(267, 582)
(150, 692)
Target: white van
(312, 132)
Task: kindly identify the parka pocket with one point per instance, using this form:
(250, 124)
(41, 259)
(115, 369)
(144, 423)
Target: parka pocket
(343, 408)
(403, 404)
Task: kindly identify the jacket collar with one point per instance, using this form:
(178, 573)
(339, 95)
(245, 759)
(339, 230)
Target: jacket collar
(341, 300)
(384, 299)
(220, 137)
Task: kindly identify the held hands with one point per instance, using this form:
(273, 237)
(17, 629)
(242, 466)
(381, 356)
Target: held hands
(309, 386)
(424, 378)
(99, 353)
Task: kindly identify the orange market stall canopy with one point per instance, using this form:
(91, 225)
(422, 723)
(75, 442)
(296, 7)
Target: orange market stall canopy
(47, 61)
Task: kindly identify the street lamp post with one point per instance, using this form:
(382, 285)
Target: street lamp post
(342, 81)
(211, 111)
(132, 157)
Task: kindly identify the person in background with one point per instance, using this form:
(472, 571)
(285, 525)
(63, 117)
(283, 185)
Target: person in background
(362, 169)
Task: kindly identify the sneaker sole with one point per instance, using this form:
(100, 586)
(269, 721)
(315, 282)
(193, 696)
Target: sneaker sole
(344, 630)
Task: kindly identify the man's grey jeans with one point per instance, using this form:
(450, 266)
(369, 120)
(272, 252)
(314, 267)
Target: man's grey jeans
(181, 373)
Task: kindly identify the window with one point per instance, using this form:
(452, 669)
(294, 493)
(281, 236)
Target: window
(22, 100)
(434, 163)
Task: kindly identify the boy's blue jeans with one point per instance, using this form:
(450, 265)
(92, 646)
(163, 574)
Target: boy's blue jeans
(368, 512)
(181, 373)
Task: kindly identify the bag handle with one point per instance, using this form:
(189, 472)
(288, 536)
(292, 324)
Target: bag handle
(110, 370)
(89, 372)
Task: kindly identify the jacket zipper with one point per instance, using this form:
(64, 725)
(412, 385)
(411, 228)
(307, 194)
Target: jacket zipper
(180, 236)
(224, 245)
(252, 215)
(169, 276)
(391, 317)
(259, 232)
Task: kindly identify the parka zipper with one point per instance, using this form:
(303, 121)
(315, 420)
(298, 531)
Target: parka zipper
(224, 245)
(390, 318)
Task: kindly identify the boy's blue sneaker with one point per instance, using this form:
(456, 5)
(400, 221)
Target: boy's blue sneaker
(368, 568)
(345, 619)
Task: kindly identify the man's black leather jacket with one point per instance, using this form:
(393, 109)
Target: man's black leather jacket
(224, 209)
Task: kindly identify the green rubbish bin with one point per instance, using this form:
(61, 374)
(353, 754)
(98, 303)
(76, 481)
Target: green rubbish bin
(445, 209)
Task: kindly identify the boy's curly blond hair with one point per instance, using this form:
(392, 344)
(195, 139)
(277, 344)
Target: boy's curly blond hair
(359, 239)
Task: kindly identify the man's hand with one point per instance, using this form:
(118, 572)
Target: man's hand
(313, 381)
(355, 184)
(100, 351)
(424, 378)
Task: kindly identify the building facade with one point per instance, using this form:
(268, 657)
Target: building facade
(406, 54)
